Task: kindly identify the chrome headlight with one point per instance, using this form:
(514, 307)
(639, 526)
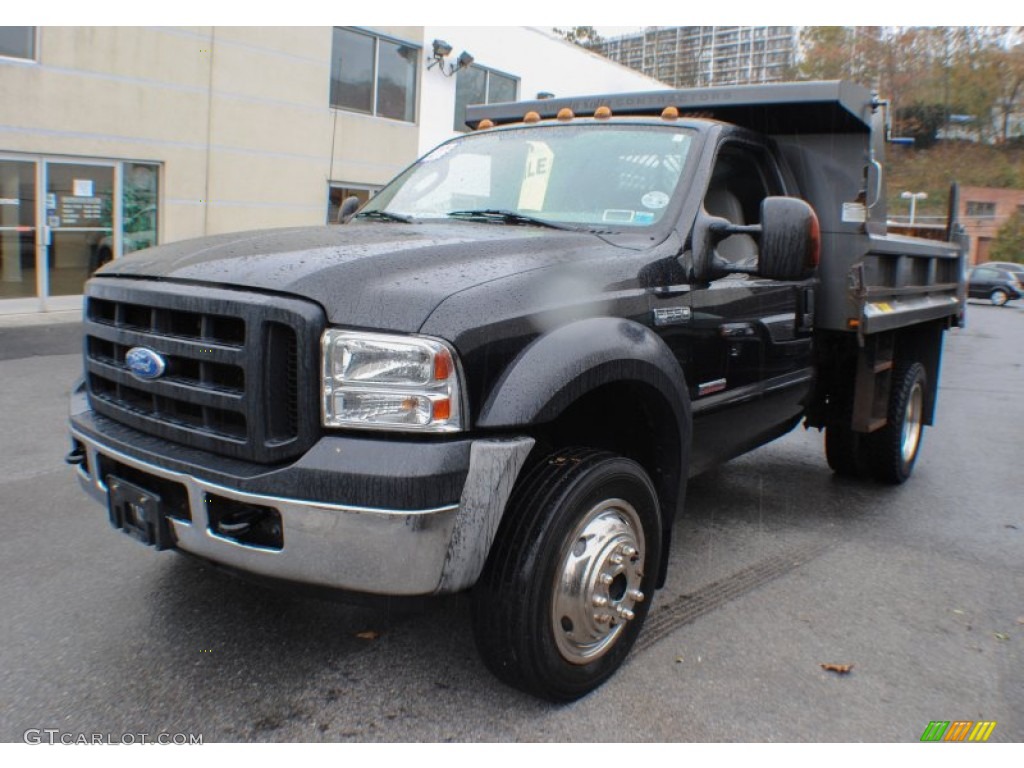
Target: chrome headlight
(380, 381)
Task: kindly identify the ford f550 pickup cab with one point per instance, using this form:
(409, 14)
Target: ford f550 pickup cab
(501, 373)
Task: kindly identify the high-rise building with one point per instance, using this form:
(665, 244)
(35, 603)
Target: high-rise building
(686, 57)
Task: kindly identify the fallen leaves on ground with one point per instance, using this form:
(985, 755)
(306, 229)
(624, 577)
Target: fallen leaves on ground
(841, 669)
(368, 635)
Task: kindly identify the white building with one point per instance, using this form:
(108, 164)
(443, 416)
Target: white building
(116, 138)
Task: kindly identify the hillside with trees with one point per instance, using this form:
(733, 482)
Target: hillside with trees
(935, 77)
(932, 170)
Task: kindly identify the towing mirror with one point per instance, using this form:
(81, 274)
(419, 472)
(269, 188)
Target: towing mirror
(790, 239)
(789, 243)
(704, 263)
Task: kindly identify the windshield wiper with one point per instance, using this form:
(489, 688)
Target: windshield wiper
(387, 215)
(508, 217)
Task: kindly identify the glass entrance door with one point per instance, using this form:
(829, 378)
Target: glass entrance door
(79, 225)
(18, 272)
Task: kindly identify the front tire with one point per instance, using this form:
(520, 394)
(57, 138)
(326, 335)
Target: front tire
(571, 574)
(893, 449)
(999, 297)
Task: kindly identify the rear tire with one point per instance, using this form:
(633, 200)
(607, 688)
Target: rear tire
(892, 450)
(571, 574)
(999, 297)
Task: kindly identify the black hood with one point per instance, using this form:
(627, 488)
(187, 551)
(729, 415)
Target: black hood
(377, 275)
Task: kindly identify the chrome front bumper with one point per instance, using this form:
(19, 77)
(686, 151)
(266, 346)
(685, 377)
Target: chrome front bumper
(376, 551)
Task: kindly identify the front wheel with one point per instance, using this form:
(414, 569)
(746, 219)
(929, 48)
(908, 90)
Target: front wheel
(999, 297)
(571, 574)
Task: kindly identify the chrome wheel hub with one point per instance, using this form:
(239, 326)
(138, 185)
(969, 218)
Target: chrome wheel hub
(597, 585)
(911, 434)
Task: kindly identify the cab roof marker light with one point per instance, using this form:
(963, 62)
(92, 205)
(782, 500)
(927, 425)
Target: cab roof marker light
(602, 113)
(484, 124)
(531, 117)
(670, 113)
(565, 114)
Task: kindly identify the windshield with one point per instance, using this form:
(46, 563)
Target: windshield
(564, 175)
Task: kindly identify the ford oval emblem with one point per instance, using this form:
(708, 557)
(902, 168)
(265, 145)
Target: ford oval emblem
(145, 363)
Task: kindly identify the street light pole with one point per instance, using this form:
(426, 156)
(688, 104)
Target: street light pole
(913, 197)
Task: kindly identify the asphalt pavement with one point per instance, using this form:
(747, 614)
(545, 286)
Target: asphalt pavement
(778, 567)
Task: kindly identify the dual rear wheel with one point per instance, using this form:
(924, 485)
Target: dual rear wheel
(888, 454)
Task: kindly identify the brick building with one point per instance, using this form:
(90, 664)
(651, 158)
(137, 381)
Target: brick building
(983, 210)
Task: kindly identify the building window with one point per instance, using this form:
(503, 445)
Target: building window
(18, 42)
(479, 85)
(337, 193)
(981, 210)
(373, 74)
(139, 206)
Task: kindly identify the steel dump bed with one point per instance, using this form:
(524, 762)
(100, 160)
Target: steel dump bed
(832, 135)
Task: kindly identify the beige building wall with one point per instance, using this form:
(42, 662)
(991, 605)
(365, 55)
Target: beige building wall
(238, 118)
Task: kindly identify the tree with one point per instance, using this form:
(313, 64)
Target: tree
(920, 122)
(926, 71)
(586, 37)
(1009, 242)
(1008, 68)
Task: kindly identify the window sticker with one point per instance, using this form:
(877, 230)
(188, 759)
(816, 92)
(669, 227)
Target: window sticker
(643, 217)
(655, 200)
(536, 177)
(618, 216)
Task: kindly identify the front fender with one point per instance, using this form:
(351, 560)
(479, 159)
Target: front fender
(559, 367)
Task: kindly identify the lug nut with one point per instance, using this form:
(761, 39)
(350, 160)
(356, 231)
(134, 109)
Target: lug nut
(635, 595)
(605, 579)
(615, 559)
(602, 618)
(600, 602)
(626, 614)
(627, 550)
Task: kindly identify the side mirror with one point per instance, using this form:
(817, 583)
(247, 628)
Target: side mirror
(789, 235)
(701, 262)
(348, 209)
(790, 239)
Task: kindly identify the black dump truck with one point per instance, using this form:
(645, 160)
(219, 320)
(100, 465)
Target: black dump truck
(500, 374)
